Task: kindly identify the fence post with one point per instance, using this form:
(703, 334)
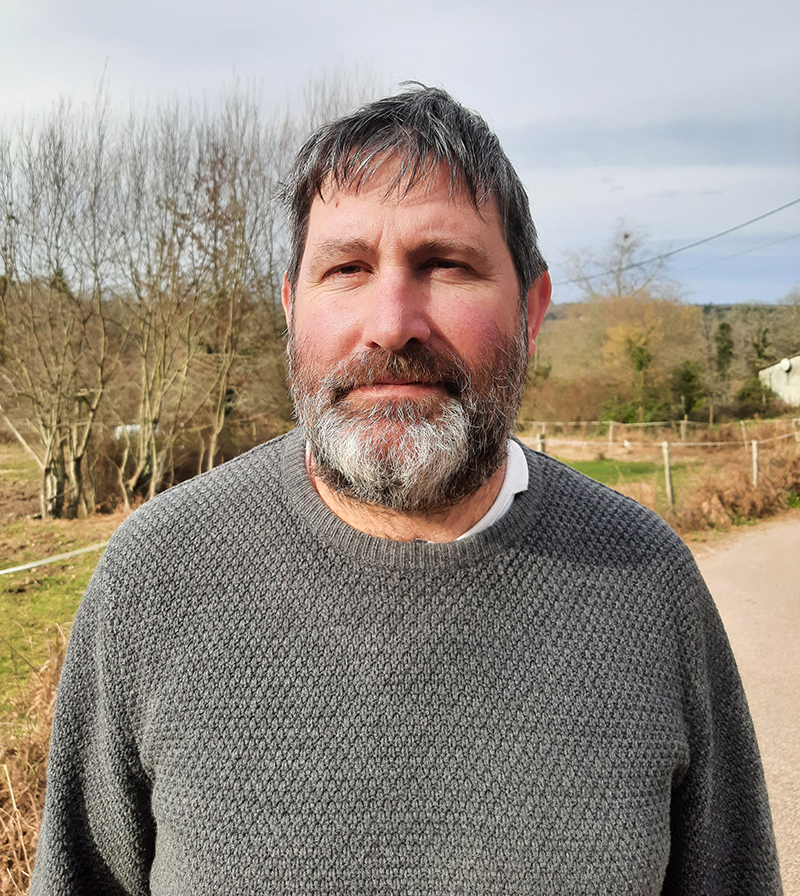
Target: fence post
(684, 424)
(668, 474)
(540, 443)
(610, 432)
(744, 432)
(755, 462)
(796, 428)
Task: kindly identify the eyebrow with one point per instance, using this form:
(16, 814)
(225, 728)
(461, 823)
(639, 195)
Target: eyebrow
(333, 249)
(469, 251)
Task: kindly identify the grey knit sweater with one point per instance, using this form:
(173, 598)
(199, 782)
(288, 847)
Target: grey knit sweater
(259, 699)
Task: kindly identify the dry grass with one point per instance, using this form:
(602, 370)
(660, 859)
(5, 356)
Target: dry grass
(24, 741)
(726, 497)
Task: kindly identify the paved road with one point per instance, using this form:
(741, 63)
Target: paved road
(755, 579)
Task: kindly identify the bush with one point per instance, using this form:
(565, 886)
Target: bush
(755, 399)
(729, 496)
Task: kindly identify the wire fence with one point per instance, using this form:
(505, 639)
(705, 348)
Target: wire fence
(749, 435)
(614, 430)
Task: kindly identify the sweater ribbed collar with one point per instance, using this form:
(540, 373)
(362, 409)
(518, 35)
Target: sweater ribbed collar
(312, 512)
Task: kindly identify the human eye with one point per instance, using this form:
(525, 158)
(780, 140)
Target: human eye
(339, 271)
(348, 269)
(445, 263)
(447, 267)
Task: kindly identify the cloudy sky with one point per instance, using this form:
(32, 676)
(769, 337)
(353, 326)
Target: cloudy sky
(680, 118)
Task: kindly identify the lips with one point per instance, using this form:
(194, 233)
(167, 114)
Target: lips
(417, 370)
(411, 383)
(407, 388)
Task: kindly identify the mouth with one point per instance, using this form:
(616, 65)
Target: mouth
(389, 377)
(397, 389)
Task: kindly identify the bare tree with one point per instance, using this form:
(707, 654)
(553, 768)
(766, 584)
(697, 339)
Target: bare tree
(237, 232)
(150, 249)
(56, 361)
(157, 212)
(622, 270)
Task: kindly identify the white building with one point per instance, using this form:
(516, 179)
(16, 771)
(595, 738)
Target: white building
(784, 379)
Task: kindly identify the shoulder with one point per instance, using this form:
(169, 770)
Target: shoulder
(591, 527)
(212, 518)
(580, 505)
(211, 499)
(620, 560)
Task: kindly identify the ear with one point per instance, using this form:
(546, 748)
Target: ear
(538, 302)
(286, 300)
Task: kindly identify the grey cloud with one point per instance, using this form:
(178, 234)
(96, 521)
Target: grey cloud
(769, 141)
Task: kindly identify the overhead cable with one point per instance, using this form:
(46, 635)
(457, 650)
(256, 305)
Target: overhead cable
(705, 264)
(663, 255)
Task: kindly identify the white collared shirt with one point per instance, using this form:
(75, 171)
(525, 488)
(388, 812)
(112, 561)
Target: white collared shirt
(515, 481)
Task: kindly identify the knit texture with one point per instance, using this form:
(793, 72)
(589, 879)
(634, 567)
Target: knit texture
(259, 699)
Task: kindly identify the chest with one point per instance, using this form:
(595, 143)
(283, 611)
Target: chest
(473, 743)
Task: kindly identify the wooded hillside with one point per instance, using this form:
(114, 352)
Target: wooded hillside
(635, 358)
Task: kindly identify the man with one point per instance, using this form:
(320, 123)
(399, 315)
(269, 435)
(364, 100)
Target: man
(393, 651)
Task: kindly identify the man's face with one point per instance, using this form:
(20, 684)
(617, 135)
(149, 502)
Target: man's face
(407, 347)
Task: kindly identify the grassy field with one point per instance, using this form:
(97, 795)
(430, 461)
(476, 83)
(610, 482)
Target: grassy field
(617, 473)
(36, 603)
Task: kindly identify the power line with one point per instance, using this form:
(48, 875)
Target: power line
(663, 255)
(705, 264)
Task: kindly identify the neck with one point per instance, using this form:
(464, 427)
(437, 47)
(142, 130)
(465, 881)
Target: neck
(438, 525)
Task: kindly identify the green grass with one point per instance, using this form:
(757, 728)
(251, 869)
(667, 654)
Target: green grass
(33, 604)
(15, 465)
(620, 472)
(613, 472)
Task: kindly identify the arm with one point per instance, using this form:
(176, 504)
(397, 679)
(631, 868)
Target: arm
(722, 837)
(97, 834)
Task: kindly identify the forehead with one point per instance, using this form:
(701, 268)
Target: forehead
(435, 207)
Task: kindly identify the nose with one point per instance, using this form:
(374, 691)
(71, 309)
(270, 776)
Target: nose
(396, 312)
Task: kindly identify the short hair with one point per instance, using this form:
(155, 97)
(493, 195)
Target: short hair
(426, 128)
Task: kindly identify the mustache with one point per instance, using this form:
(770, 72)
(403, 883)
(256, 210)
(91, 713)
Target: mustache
(416, 364)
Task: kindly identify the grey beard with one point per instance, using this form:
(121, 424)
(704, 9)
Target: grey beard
(410, 455)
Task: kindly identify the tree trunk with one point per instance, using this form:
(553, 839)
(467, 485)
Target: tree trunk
(75, 478)
(54, 483)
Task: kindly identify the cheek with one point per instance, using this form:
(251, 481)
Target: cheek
(331, 333)
(474, 331)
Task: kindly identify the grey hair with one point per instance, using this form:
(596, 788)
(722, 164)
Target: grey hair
(427, 130)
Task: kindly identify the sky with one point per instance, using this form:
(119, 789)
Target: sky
(676, 121)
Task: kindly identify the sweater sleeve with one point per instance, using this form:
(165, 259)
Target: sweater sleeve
(722, 835)
(97, 833)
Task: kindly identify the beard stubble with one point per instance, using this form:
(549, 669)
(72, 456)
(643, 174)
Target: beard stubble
(409, 455)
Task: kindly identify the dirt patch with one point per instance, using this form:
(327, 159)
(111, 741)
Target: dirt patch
(19, 486)
(26, 539)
